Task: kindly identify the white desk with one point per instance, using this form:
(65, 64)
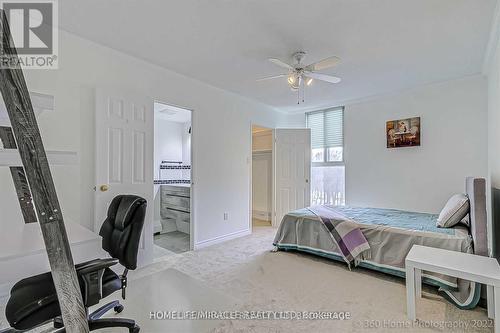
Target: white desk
(461, 265)
(22, 251)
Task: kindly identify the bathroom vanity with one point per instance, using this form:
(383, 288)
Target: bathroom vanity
(175, 206)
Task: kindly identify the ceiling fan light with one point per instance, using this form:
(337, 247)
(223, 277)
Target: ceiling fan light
(291, 79)
(309, 81)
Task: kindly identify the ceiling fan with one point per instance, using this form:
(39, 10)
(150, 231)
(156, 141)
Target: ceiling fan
(299, 76)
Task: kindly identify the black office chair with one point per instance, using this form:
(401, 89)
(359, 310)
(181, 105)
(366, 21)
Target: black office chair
(33, 301)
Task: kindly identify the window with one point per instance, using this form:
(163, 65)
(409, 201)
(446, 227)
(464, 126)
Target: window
(327, 155)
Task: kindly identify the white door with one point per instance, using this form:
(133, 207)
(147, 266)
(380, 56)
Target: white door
(124, 156)
(292, 151)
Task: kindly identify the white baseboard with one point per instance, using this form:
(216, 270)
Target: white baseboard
(221, 239)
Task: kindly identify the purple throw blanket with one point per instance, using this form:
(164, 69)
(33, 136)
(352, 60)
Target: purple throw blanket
(349, 238)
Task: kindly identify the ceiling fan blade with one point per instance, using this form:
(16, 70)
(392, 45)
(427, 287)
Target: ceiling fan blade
(271, 77)
(324, 64)
(323, 77)
(281, 63)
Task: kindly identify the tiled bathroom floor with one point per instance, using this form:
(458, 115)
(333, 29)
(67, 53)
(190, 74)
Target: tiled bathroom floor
(174, 241)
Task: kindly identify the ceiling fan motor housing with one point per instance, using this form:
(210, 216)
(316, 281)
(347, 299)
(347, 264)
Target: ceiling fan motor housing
(299, 56)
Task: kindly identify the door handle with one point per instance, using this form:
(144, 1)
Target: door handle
(104, 187)
(307, 180)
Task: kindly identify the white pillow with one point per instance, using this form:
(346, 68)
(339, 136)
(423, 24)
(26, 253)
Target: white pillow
(454, 211)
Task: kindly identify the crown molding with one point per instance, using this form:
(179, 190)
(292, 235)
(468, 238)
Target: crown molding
(375, 97)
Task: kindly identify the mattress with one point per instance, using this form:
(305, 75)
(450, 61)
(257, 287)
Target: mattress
(390, 234)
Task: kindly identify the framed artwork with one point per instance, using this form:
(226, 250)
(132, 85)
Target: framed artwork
(403, 132)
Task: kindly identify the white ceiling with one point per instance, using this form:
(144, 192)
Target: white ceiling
(385, 45)
(171, 113)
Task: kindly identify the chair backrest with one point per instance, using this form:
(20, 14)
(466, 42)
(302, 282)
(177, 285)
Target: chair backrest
(121, 231)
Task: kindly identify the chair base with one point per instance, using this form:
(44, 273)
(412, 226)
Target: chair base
(96, 322)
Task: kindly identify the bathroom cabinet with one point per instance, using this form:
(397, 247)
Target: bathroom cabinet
(175, 205)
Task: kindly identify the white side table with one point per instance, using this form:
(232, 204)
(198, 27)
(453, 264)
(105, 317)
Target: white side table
(461, 265)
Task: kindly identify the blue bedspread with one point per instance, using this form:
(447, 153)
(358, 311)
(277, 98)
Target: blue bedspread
(394, 218)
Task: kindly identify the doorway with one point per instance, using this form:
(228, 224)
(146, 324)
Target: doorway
(172, 227)
(262, 176)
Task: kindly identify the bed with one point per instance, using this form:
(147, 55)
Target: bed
(391, 234)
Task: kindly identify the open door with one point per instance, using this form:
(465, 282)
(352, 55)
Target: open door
(292, 151)
(124, 156)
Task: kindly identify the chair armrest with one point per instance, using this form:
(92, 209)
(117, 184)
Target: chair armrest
(77, 266)
(94, 265)
(90, 276)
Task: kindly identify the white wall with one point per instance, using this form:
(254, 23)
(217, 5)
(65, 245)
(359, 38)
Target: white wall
(186, 144)
(295, 120)
(453, 146)
(454, 138)
(221, 133)
(493, 71)
(168, 142)
(262, 175)
(494, 119)
(262, 185)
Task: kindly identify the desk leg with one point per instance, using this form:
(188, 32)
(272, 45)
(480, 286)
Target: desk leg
(496, 296)
(418, 282)
(491, 301)
(410, 292)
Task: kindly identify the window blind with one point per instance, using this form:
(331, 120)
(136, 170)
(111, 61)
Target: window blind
(327, 128)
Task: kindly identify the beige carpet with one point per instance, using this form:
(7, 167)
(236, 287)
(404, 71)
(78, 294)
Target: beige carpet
(259, 279)
(256, 279)
(170, 290)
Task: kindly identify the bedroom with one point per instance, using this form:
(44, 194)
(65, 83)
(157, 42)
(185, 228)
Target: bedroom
(436, 60)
